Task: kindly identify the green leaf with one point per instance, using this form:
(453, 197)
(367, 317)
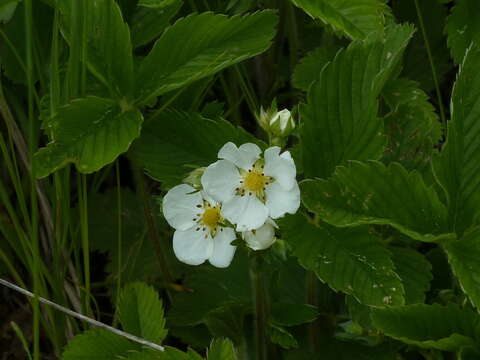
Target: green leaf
(340, 120)
(289, 314)
(348, 260)
(355, 19)
(280, 336)
(221, 349)
(177, 142)
(90, 132)
(97, 344)
(150, 21)
(310, 67)
(456, 167)
(372, 193)
(463, 28)
(415, 271)
(412, 126)
(463, 256)
(141, 312)
(200, 45)
(439, 327)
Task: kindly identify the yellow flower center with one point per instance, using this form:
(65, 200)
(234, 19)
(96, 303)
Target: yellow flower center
(211, 217)
(254, 181)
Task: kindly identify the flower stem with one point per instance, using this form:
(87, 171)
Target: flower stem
(260, 314)
(312, 299)
(152, 228)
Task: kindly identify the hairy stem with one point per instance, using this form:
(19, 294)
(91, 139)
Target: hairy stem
(260, 301)
(152, 227)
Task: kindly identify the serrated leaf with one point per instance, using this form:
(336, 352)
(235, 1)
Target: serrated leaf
(340, 120)
(412, 126)
(149, 22)
(177, 142)
(463, 28)
(456, 167)
(280, 336)
(200, 45)
(463, 256)
(310, 67)
(141, 312)
(289, 314)
(90, 132)
(355, 19)
(221, 349)
(348, 260)
(372, 193)
(439, 327)
(415, 271)
(97, 344)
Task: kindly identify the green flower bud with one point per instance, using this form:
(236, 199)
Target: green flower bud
(282, 124)
(194, 178)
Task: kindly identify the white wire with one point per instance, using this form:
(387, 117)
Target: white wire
(82, 317)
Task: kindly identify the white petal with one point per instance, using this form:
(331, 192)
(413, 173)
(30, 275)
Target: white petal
(220, 180)
(247, 212)
(262, 238)
(222, 250)
(280, 167)
(280, 202)
(191, 246)
(180, 206)
(244, 156)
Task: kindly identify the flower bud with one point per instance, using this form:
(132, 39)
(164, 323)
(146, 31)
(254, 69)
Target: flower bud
(282, 123)
(194, 177)
(265, 117)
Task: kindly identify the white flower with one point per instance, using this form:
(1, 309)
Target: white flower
(250, 188)
(262, 238)
(199, 234)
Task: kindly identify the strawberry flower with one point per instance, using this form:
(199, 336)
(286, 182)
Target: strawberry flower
(200, 233)
(252, 189)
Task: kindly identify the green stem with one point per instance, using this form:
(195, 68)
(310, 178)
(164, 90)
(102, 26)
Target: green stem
(312, 299)
(432, 65)
(83, 200)
(260, 301)
(152, 228)
(119, 231)
(32, 135)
